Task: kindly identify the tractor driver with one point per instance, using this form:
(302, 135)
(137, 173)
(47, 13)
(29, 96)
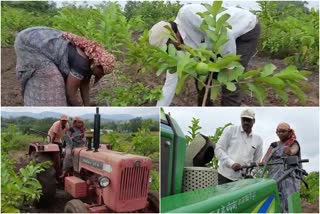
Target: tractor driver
(238, 147)
(74, 138)
(58, 129)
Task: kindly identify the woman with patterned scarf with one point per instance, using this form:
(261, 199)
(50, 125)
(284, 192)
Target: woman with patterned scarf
(53, 65)
(287, 146)
(74, 138)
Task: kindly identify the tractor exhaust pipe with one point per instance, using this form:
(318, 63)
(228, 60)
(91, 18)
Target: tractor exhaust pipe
(96, 133)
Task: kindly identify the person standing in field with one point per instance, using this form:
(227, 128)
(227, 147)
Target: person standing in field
(58, 129)
(53, 65)
(242, 40)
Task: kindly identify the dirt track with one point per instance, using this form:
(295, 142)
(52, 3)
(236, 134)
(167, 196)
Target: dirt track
(11, 96)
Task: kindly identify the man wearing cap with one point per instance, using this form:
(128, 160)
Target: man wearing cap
(238, 146)
(58, 129)
(242, 40)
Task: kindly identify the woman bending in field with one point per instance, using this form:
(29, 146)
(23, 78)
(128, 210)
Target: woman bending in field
(52, 65)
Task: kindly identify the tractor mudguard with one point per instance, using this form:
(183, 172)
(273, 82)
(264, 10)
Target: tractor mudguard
(37, 147)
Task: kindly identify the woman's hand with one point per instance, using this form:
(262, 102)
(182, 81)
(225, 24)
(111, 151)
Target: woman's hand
(287, 150)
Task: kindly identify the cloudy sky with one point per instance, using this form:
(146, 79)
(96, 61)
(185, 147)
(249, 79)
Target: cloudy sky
(304, 120)
(75, 111)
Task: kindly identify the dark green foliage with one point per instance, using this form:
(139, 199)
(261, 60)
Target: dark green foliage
(311, 194)
(13, 20)
(44, 7)
(19, 189)
(290, 31)
(152, 12)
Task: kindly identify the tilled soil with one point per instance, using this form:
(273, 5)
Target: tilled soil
(11, 92)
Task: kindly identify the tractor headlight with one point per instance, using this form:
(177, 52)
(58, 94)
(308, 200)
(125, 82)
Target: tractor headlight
(104, 181)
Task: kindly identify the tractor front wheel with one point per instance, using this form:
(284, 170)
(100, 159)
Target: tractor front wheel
(153, 199)
(75, 206)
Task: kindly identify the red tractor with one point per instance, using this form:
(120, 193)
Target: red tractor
(102, 180)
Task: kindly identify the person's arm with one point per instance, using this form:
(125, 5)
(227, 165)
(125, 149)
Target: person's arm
(84, 91)
(292, 150)
(268, 154)
(258, 153)
(72, 86)
(221, 148)
(169, 89)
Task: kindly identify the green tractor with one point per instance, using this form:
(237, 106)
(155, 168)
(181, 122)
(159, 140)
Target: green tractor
(186, 189)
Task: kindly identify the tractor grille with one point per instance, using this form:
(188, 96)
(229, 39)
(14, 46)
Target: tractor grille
(134, 183)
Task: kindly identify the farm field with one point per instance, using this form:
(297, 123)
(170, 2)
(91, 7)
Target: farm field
(11, 95)
(135, 81)
(132, 136)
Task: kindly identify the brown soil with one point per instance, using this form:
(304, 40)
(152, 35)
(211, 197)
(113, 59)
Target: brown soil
(310, 207)
(11, 96)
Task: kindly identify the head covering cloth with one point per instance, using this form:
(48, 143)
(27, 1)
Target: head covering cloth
(93, 51)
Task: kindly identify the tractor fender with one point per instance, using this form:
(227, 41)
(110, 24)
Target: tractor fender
(36, 147)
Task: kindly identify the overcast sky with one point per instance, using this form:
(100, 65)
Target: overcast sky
(304, 120)
(76, 111)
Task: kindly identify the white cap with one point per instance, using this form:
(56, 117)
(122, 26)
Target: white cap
(248, 113)
(159, 35)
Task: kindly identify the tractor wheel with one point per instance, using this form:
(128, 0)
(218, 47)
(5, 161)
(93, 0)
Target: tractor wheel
(153, 199)
(75, 206)
(47, 180)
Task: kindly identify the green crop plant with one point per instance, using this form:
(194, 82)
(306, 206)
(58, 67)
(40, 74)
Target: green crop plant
(202, 63)
(22, 188)
(105, 24)
(290, 31)
(194, 129)
(14, 20)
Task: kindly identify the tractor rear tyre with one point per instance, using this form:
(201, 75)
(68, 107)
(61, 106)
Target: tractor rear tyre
(75, 206)
(153, 199)
(47, 180)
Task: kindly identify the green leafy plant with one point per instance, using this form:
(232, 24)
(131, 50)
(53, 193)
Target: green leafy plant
(144, 143)
(311, 194)
(194, 130)
(201, 64)
(22, 188)
(129, 93)
(214, 139)
(290, 31)
(13, 20)
(105, 24)
(151, 11)
(155, 183)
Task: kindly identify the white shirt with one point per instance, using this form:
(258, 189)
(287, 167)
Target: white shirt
(235, 146)
(188, 23)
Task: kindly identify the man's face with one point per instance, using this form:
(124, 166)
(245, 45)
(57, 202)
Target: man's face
(63, 123)
(283, 134)
(247, 124)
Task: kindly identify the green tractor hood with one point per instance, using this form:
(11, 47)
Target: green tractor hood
(249, 195)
